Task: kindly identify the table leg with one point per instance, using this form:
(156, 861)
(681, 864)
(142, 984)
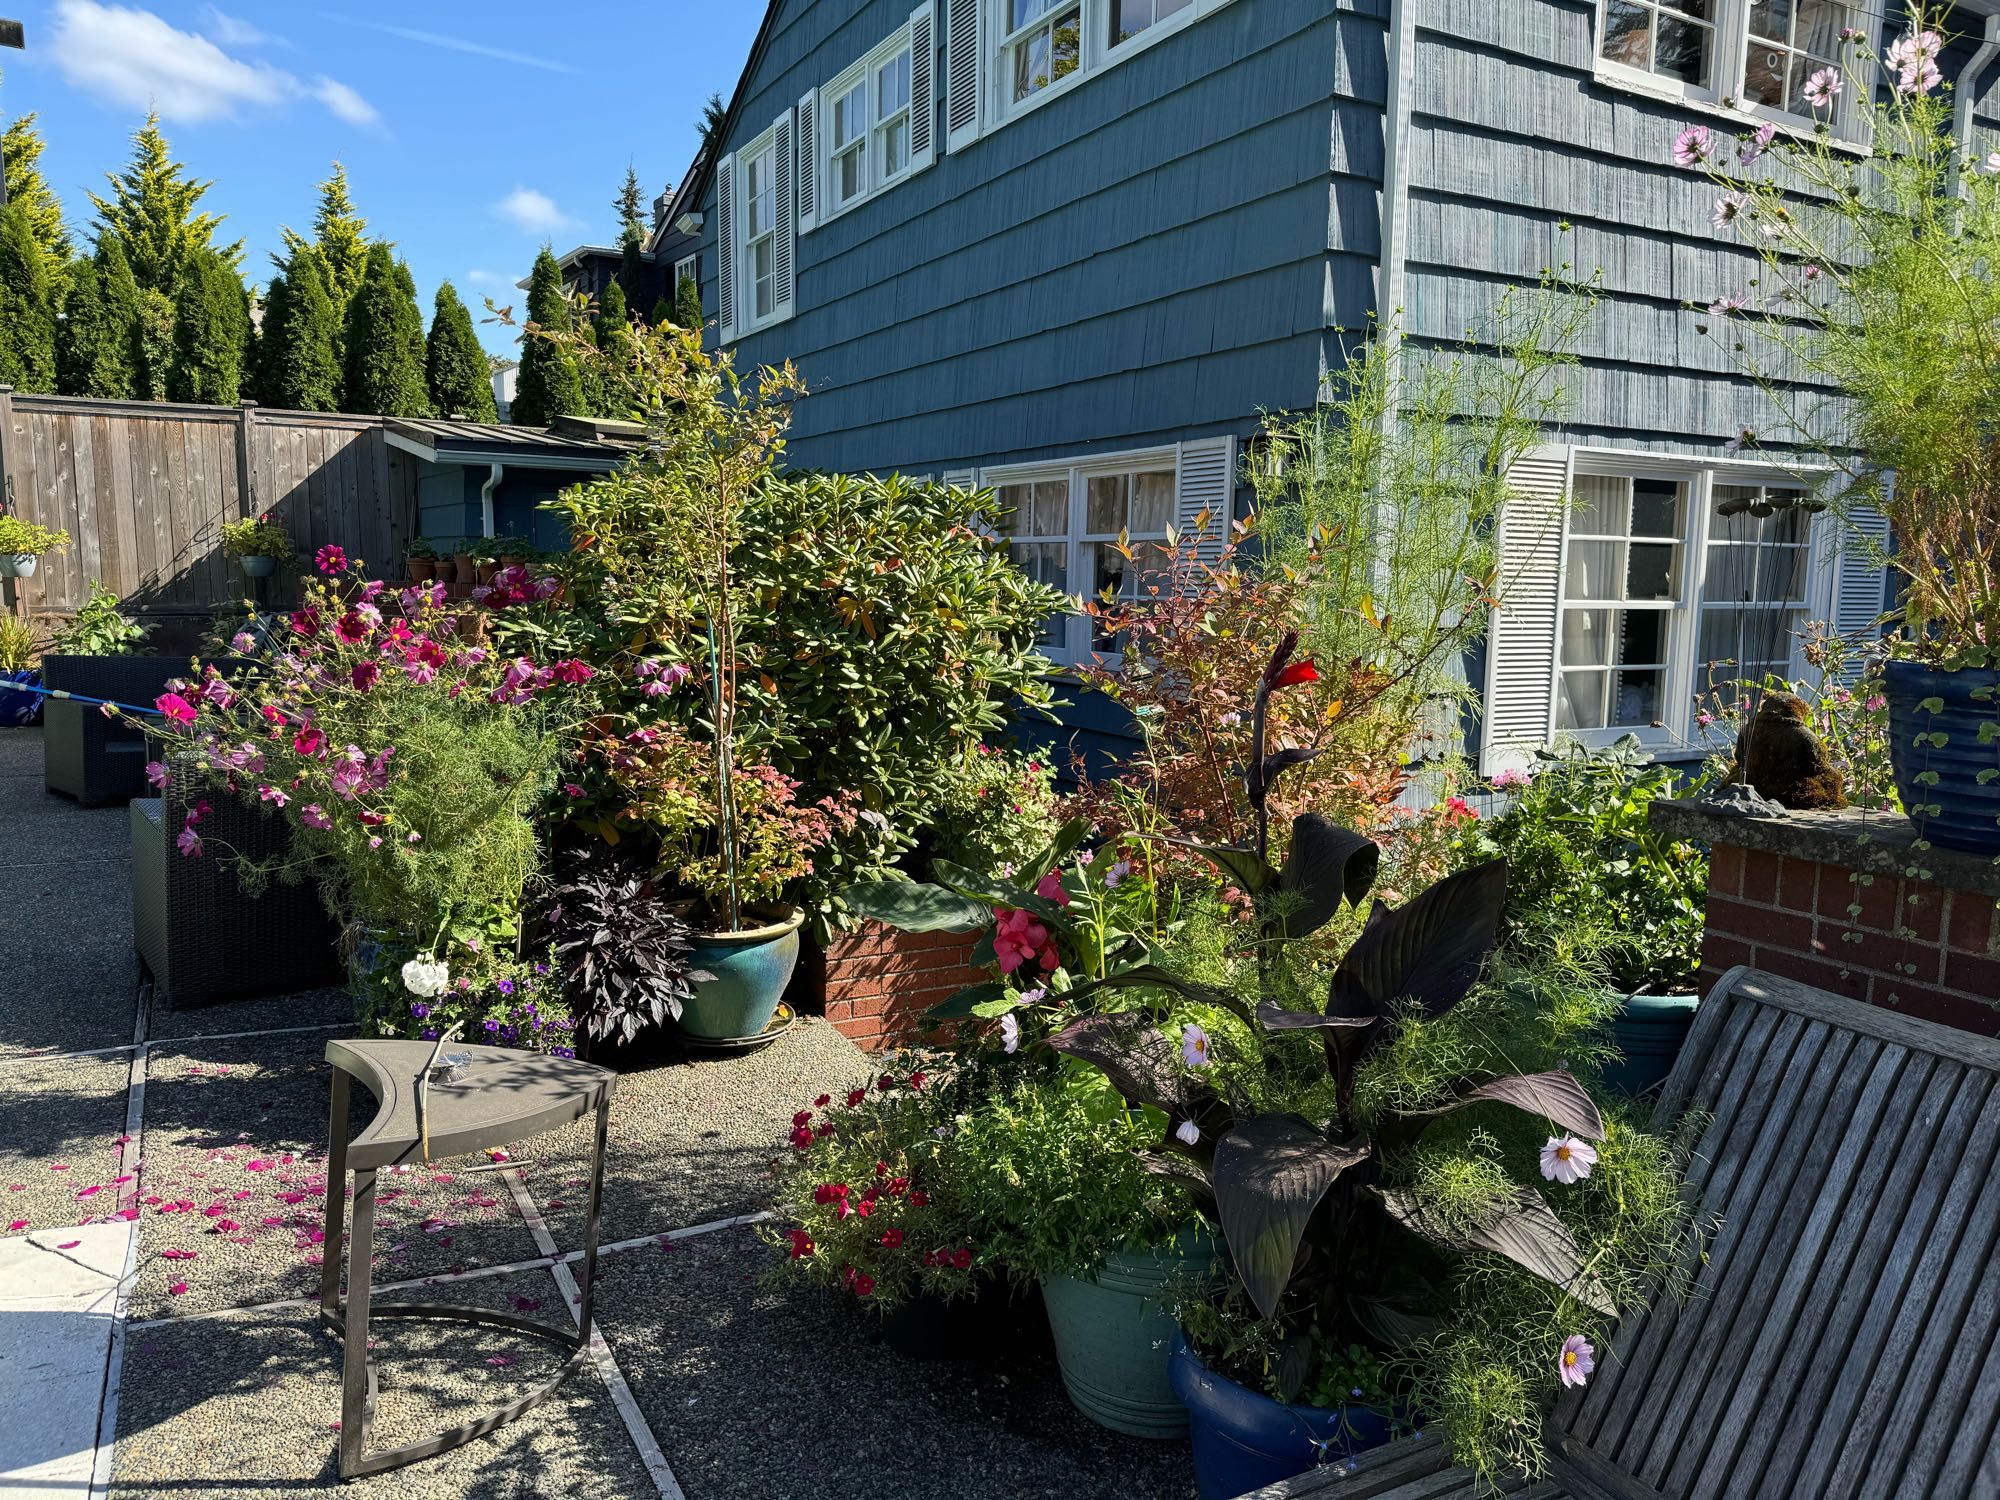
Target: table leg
(336, 1198)
(354, 1413)
(590, 1223)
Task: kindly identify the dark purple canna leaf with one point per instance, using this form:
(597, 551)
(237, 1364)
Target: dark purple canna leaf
(1524, 1230)
(1153, 977)
(1274, 1017)
(1428, 951)
(1244, 866)
(1555, 1097)
(1326, 864)
(1139, 1059)
(1270, 1173)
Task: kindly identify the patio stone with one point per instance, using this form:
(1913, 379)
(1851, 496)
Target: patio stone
(246, 1404)
(329, 1007)
(69, 980)
(21, 752)
(690, 1142)
(59, 1124)
(45, 829)
(58, 1290)
(759, 1386)
(236, 1130)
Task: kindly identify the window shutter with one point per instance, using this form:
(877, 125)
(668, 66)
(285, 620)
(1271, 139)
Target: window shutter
(1860, 582)
(808, 161)
(961, 479)
(1205, 507)
(1521, 643)
(923, 104)
(788, 218)
(725, 249)
(964, 66)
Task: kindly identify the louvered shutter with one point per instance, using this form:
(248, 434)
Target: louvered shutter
(783, 242)
(1860, 581)
(963, 69)
(1204, 507)
(725, 249)
(809, 154)
(923, 100)
(1522, 639)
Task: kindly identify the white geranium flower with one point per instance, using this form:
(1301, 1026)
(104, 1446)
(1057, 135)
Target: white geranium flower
(424, 976)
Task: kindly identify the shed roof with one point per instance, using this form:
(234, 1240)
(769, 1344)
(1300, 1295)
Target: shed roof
(571, 443)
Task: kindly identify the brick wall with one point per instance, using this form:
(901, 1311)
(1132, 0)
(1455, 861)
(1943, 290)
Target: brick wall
(879, 981)
(1823, 899)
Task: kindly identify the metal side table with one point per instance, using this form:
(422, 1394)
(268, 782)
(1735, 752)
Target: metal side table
(497, 1098)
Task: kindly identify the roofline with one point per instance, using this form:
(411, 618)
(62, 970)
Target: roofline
(505, 457)
(764, 28)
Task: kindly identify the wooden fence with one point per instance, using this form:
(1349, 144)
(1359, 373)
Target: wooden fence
(144, 487)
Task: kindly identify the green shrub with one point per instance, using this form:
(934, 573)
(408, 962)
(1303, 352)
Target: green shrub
(98, 629)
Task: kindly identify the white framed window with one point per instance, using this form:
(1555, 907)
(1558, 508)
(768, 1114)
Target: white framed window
(874, 123)
(756, 229)
(1755, 55)
(688, 266)
(1003, 57)
(760, 232)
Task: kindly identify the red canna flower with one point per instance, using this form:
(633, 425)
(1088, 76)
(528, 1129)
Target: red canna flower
(1297, 672)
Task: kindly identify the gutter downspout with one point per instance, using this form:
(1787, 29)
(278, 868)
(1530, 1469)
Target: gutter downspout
(486, 490)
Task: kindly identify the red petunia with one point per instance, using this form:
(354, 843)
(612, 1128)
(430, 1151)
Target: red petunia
(892, 1239)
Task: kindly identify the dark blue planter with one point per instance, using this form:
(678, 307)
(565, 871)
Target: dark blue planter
(18, 710)
(1968, 812)
(1244, 1441)
(1648, 1030)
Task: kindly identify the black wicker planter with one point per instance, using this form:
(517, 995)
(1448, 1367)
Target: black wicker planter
(98, 760)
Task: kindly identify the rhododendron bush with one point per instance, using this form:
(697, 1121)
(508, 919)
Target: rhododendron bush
(411, 763)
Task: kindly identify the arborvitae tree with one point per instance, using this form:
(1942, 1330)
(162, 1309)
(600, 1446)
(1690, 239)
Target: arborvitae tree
(156, 344)
(27, 307)
(663, 312)
(631, 261)
(21, 149)
(550, 385)
(211, 317)
(299, 355)
(152, 208)
(341, 237)
(385, 371)
(410, 328)
(460, 380)
(99, 349)
(590, 376)
(687, 303)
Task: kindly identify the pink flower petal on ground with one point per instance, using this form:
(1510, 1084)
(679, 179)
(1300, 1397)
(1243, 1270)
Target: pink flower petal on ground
(226, 1226)
(179, 1288)
(501, 1361)
(291, 1197)
(17, 1187)
(127, 1214)
(526, 1304)
(274, 1223)
(18, 1224)
(60, 1166)
(257, 1166)
(69, 1244)
(95, 1187)
(239, 1197)
(178, 1254)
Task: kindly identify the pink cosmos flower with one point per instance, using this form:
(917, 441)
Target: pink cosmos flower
(351, 628)
(1728, 209)
(156, 773)
(273, 794)
(1010, 1034)
(243, 643)
(1578, 1359)
(313, 816)
(1722, 307)
(1692, 146)
(1194, 1046)
(309, 742)
(175, 708)
(1760, 142)
(189, 843)
(1914, 56)
(1744, 437)
(330, 559)
(366, 675)
(1824, 87)
(1567, 1159)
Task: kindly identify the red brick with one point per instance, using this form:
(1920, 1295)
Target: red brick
(1942, 1006)
(1899, 958)
(1800, 881)
(1834, 978)
(1725, 870)
(1840, 891)
(1760, 877)
(1975, 976)
(1720, 952)
(1923, 911)
(1764, 926)
(1972, 923)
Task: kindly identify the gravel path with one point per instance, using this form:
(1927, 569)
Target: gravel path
(759, 1388)
(329, 1007)
(690, 1143)
(59, 1124)
(246, 1405)
(237, 1131)
(70, 980)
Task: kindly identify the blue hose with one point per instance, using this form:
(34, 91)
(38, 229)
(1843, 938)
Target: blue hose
(28, 687)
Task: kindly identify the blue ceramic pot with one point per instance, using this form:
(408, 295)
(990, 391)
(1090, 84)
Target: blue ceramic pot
(1244, 1441)
(1968, 811)
(258, 567)
(1649, 1031)
(745, 977)
(18, 710)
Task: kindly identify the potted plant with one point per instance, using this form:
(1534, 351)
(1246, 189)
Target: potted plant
(22, 543)
(485, 558)
(1594, 885)
(20, 659)
(422, 560)
(260, 544)
(465, 561)
(511, 551)
(620, 948)
(1876, 279)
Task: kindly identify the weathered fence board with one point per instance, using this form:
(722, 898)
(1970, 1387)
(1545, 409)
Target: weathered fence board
(144, 488)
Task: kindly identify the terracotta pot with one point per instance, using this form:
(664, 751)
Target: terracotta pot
(511, 559)
(465, 570)
(422, 569)
(472, 627)
(488, 571)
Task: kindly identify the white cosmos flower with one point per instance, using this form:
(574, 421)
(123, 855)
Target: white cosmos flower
(1194, 1046)
(1010, 1034)
(1566, 1159)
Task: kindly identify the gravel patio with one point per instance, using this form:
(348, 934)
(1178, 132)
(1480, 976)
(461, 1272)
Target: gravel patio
(161, 1176)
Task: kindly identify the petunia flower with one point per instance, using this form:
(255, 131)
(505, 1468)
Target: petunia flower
(1567, 1159)
(1577, 1360)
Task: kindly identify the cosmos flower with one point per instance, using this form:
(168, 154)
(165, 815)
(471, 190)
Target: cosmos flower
(1577, 1360)
(1824, 87)
(1010, 1034)
(1194, 1046)
(1567, 1159)
(1693, 146)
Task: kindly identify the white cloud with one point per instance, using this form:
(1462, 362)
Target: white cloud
(488, 278)
(345, 103)
(231, 31)
(455, 44)
(133, 59)
(533, 212)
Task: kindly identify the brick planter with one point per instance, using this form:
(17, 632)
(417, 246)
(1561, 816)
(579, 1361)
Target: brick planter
(876, 982)
(1827, 898)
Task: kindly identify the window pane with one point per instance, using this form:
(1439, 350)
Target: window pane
(1593, 571)
(1152, 503)
(1782, 574)
(1586, 637)
(850, 116)
(892, 86)
(895, 146)
(1601, 505)
(1730, 496)
(847, 174)
(1628, 34)
(1764, 75)
(1638, 697)
(1052, 507)
(1652, 571)
(1771, 18)
(1580, 700)
(763, 274)
(1068, 43)
(1107, 569)
(1130, 17)
(1732, 573)
(1682, 51)
(753, 195)
(1031, 65)
(1645, 637)
(1025, 11)
(1104, 506)
(1656, 507)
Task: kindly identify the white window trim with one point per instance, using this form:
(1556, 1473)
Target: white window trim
(1075, 649)
(1678, 734)
(1850, 126)
(687, 265)
(862, 72)
(747, 320)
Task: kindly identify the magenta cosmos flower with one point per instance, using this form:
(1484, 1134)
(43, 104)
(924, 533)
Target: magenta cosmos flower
(1692, 146)
(330, 559)
(1577, 1360)
(1567, 1159)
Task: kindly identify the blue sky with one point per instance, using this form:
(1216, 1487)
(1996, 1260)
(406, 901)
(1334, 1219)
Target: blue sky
(472, 132)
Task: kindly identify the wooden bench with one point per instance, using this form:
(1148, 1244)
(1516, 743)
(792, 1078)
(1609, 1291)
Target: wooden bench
(1840, 1341)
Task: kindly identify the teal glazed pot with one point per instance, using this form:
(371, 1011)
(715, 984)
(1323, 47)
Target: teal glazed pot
(1113, 1337)
(258, 567)
(1968, 809)
(744, 977)
(1648, 1031)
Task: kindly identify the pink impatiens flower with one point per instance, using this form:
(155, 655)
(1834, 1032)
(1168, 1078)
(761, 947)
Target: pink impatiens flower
(1577, 1360)
(1567, 1159)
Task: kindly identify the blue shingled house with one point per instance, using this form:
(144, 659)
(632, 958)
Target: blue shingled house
(1071, 249)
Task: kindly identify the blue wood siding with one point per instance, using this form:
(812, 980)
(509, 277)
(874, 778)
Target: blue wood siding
(1163, 252)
